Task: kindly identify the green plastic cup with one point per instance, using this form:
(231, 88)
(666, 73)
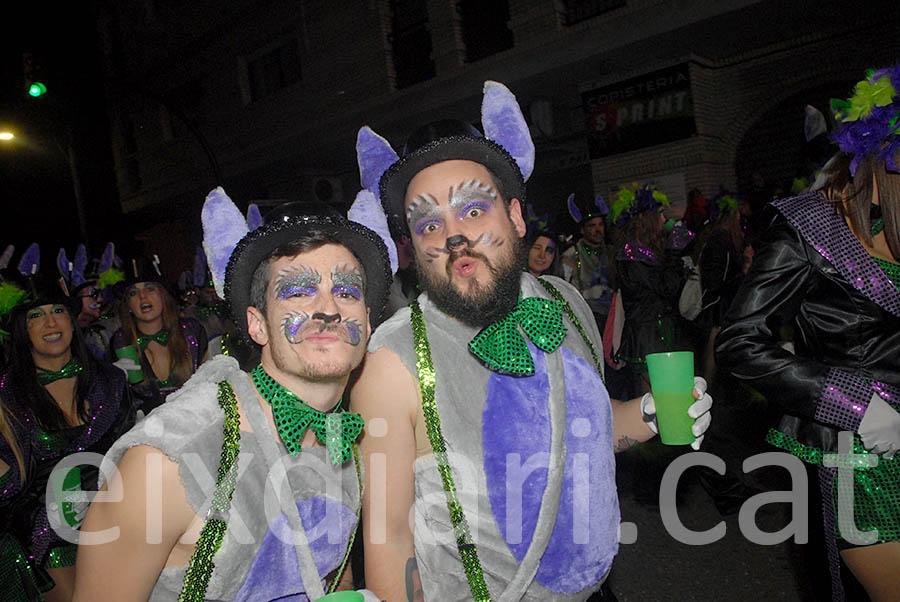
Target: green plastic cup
(341, 597)
(672, 385)
(128, 351)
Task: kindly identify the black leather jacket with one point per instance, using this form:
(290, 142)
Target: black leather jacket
(812, 273)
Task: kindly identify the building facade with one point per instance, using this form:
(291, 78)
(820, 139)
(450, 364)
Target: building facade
(265, 98)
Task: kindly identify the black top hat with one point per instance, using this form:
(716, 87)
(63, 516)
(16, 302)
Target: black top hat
(285, 224)
(446, 140)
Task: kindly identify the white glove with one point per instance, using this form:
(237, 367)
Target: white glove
(879, 428)
(698, 410)
(126, 363)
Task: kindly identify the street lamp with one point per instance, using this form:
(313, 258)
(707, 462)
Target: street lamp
(7, 136)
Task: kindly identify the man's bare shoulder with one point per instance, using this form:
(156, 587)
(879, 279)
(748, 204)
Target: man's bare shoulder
(384, 385)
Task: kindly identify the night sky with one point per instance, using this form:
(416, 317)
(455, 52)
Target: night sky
(36, 187)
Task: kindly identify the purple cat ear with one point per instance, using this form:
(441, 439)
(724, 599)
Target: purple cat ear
(573, 208)
(31, 260)
(601, 205)
(374, 156)
(184, 281)
(366, 210)
(223, 227)
(254, 217)
(7, 256)
(63, 265)
(106, 260)
(78, 265)
(504, 123)
(199, 272)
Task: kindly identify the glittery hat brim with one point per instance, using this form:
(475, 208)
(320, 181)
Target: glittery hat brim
(396, 179)
(365, 245)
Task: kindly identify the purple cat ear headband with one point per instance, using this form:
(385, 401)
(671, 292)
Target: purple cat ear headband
(234, 252)
(869, 121)
(599, 209)
(506, 149)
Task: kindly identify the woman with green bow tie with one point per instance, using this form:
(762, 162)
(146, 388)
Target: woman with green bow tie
(59, 401)
(159, 350)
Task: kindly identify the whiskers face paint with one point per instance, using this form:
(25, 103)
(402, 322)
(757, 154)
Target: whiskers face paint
(293, 324)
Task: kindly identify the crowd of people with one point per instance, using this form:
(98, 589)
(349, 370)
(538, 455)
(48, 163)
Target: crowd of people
(427, 375)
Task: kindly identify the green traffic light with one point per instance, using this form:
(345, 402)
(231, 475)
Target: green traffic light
(37, 89)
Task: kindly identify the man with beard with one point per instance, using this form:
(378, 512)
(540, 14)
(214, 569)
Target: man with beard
(491, 436)
(247, 486)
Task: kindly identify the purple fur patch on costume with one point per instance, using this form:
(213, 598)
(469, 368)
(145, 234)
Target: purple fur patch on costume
(516, 420)
(223, 227)
(504, 124)
(374, 155)
(274, 574)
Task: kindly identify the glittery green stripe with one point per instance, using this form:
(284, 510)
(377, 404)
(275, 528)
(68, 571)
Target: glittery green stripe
(61, 556)
(814, 455)
(201, 567)
(554, 292)
(425, 368)
(810, 455)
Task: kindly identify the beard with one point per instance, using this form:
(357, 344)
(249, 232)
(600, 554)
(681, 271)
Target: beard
(481, 305)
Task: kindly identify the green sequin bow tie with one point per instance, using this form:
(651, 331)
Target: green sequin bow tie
(72, 368)
(337, 430)
(502, 348)
(161, 337)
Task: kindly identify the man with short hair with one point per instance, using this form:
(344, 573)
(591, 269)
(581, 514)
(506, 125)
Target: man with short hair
(490, 435)
(586, 264)
(227, 490)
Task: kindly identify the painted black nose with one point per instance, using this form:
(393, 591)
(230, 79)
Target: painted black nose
(456, 241)
(327, 318)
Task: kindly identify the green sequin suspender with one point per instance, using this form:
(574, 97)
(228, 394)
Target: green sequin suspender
(567, 309)
(200, 569)
(468, 553)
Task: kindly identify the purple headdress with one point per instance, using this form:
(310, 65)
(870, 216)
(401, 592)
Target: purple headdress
(535, 223)
(869, 121)
(31, 260)
(599, 209)
(633, 199)
(107, 274)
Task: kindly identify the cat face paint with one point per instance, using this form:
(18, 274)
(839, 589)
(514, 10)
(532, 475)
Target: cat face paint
(462, 229)
(469, 205)
(301, 284)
